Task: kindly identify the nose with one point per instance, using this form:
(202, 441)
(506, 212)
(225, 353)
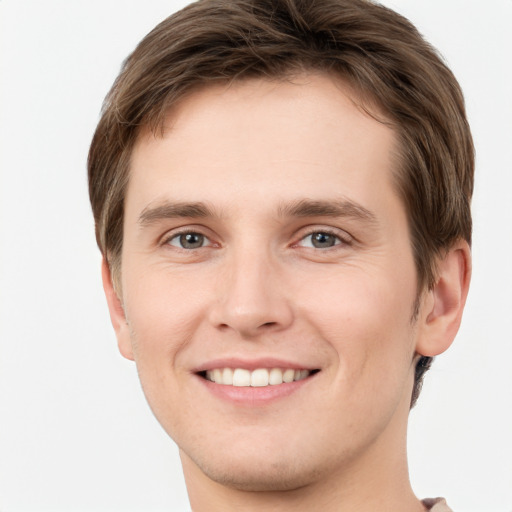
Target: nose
(251, 296)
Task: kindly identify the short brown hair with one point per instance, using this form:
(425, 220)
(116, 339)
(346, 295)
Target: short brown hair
(377, 52)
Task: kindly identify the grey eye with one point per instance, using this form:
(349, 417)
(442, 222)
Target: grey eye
(320, 240)
(188, 241)
(323, 240)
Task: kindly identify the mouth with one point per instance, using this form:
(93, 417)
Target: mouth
(259, 377)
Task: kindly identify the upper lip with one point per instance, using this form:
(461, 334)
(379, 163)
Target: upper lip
(252, 364)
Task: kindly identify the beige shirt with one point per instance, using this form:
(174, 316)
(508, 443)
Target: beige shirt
(436, 505)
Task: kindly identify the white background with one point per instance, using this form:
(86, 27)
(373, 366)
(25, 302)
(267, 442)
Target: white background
(75, 431)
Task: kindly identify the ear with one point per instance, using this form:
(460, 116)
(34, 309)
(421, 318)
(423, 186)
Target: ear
(117, 315)
(443, 305)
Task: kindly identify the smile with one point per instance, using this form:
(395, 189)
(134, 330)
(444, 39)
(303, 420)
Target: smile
(260, 377)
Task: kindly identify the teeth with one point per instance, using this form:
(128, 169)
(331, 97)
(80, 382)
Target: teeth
(288, 375)
(260, 377)
(217, 375)
(275, 377)
(227, 376)
(303, 374)
(240, 378)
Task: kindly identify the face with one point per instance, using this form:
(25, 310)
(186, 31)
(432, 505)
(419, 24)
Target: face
(268, 283)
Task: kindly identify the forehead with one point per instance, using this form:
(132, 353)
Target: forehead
(296, 136)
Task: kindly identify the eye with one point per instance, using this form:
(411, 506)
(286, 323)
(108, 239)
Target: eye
(189, 240)
(320, 240)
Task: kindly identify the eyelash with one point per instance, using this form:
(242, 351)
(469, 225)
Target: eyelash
(177, 236)
(339, 240)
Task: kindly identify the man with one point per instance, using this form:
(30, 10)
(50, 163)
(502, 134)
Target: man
(281, 192)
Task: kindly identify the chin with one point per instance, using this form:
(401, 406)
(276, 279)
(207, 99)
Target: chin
(257, 477)
(258, 459)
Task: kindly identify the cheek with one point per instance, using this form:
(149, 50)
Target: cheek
(366, 319)
(163, 310)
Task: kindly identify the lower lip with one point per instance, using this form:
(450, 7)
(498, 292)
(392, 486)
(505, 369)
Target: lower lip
(248, 395)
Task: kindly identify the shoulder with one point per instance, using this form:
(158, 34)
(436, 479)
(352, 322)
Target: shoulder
(436, 505)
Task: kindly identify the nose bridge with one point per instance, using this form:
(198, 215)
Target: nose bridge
(251, 295)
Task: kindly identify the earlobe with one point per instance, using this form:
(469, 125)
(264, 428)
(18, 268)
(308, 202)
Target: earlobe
(445, 302)
(117, 314)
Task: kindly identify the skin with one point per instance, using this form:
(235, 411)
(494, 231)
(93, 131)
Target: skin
(258, 287)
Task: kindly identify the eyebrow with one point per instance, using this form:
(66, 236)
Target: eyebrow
(338, 208)
(300, 208)
(168, 210)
